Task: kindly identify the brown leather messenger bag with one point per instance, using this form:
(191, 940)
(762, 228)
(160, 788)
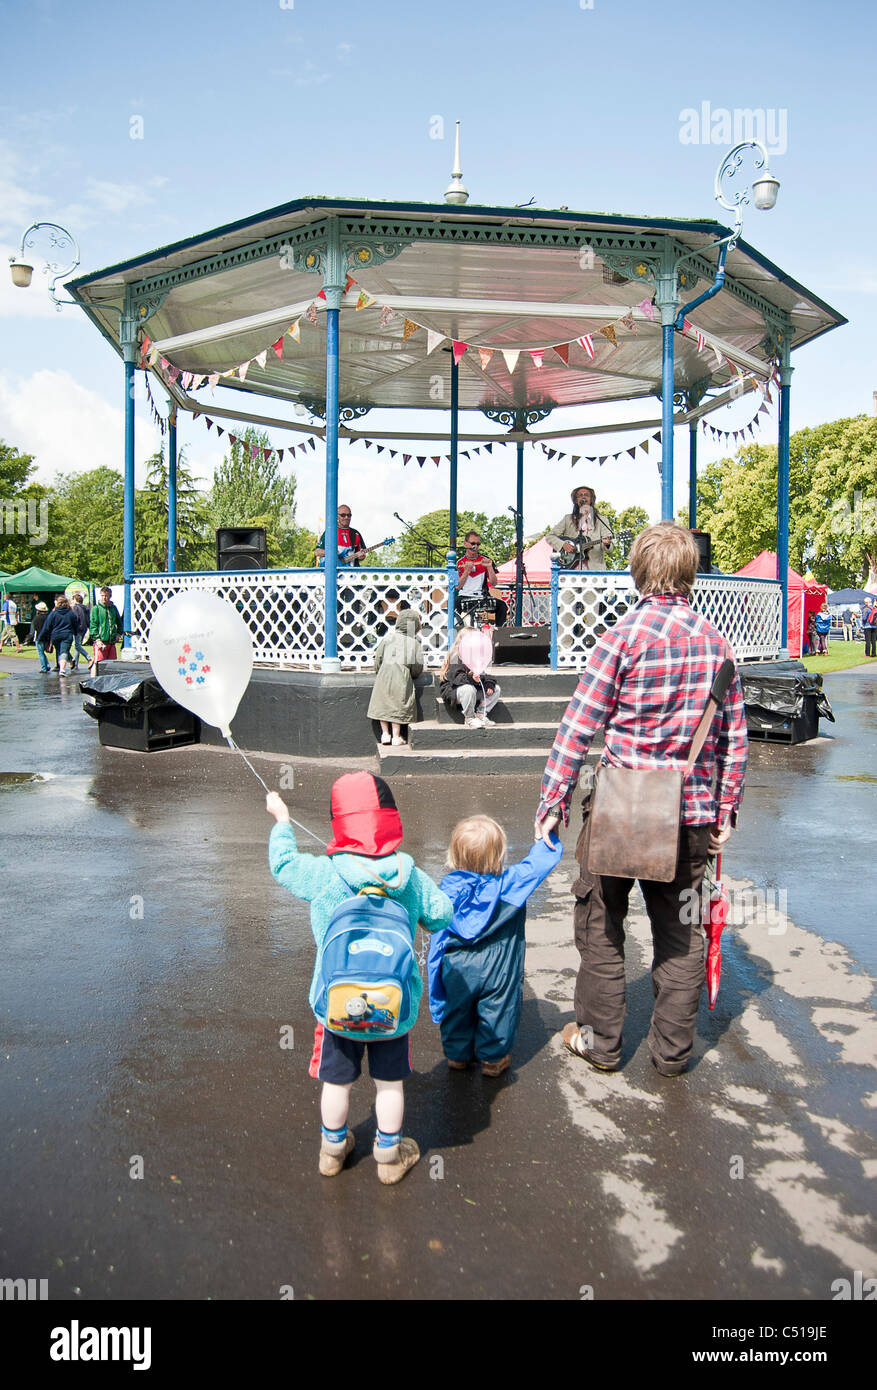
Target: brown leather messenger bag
(636, 811)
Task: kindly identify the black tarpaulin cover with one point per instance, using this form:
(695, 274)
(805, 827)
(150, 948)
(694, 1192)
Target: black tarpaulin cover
(123, 687)
(784, 692)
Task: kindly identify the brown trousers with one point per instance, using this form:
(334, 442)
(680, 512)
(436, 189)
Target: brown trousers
(678, 963)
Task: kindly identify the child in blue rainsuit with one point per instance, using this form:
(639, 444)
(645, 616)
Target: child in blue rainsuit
(476, 965)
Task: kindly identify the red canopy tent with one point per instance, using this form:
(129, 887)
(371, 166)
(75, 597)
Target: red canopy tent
(804, 598)
(537, 563)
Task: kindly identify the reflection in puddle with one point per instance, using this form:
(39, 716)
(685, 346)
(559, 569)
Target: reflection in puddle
(856, 777)
(20, 779)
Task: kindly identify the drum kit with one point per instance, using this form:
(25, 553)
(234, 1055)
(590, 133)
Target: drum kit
(477, 609)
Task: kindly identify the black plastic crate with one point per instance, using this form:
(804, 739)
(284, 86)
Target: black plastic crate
(145, 728)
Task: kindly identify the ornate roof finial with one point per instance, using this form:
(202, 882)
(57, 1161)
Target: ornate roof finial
(456, 192)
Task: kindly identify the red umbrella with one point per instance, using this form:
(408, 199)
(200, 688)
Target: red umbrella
(718, 916)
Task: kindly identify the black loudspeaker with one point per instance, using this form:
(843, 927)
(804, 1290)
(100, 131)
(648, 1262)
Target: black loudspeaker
(241, 548)
(704, 542)
(529, 646)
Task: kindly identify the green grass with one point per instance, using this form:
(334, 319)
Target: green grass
(839, 657)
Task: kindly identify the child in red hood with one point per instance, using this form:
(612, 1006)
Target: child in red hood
(367, 831)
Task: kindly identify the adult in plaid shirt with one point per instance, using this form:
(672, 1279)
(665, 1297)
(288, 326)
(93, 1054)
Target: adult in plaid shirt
(648, 680)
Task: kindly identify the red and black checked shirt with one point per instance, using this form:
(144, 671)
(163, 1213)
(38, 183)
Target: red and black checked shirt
(648, 680)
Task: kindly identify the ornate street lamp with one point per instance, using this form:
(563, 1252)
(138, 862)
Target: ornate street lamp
(61, 257)
(764, 188)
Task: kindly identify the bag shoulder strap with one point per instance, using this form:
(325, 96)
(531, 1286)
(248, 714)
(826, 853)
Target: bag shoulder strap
(724, 676)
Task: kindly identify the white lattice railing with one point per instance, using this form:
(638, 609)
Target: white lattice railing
(536, 605)
(745, 611)
(284, 609)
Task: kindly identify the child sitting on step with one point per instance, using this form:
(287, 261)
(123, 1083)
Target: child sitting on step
(363, 852)
(461, 690)
(476, 965)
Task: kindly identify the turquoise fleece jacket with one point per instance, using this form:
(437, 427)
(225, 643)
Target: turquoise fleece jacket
(315, 878)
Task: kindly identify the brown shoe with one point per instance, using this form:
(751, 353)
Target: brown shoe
(394, 1163)
(454, 1065)
(571, 1038)
(496, 1068)
(334, 1156)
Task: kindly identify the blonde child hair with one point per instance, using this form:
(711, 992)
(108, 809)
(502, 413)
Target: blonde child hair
(452, 655)
(478, 846)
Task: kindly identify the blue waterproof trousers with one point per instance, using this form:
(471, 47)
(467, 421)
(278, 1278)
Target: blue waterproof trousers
(484, 983)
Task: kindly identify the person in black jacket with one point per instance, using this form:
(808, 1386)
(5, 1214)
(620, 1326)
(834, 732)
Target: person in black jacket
(59, 629)
(37, 622)
(461, 690)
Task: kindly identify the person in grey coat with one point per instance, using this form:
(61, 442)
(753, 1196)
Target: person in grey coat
(398, 662)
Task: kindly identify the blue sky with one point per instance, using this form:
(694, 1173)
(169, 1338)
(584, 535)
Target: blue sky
(246, 105)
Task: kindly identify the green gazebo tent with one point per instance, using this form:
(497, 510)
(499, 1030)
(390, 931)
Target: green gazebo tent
(34, 580)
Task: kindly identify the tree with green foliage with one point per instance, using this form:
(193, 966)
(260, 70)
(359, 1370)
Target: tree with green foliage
(194, 544)
(85, 511)
(625, 526)
(737, 501)
(23, 509)
(497, 536)
(249, 491)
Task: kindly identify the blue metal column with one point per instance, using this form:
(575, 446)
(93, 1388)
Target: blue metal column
(455, 430)
(128, 499)
(334, 279)
(783, 487)
(555, 586)
(519, 538)
(692, 474)
(172, 488)
(667, 381)
(451, 567)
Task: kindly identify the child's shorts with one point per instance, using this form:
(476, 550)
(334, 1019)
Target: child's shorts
(339, 1060)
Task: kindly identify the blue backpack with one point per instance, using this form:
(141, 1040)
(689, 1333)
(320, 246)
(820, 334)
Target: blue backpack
(364, 967)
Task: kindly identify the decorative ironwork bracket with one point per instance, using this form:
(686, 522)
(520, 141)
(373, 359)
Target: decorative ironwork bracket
(518, 418)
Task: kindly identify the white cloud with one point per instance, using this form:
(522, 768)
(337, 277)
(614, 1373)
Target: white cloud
(66, 427)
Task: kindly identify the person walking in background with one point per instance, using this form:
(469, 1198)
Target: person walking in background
(82, 615)
(59, 630)
(37, 622)
(847, 620)
(823, 628)
(104, 626)
(8, 619)
(398, 663)
(869, 627)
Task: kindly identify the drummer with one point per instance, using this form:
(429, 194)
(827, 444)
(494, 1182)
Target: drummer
(476, 573)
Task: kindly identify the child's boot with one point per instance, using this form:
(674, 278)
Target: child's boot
(394, 1160)
(496, 1068)
(334, 1153)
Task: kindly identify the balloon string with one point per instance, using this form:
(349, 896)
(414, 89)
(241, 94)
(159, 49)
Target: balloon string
(231, 743)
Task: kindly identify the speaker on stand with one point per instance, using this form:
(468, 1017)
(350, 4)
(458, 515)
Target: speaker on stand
(241, 548)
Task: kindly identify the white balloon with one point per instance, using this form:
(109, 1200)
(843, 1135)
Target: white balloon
(201, 653)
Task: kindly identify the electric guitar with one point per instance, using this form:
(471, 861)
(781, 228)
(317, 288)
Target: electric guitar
(345, 552)
(569, 559)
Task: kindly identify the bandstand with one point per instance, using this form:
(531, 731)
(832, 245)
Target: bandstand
(333, 307)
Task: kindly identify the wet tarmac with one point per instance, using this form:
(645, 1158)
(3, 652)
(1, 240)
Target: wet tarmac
(151, 966)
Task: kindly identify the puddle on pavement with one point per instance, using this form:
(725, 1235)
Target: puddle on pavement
(21, 779)
(855, 777)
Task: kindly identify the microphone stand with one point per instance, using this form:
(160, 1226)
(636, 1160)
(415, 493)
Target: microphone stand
(431, 548)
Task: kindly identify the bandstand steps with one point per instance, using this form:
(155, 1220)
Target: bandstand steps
(431, 734)
(514, 709)
(484, 761)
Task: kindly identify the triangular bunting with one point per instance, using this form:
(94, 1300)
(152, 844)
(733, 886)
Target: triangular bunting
(562, 350)
(459, 351)
(432, 340)
(647, 308)
(587, 342)
(294, 331)
(243, 369)
(484, 356)
(537, 354)
(278, 346)
(261, 356)
(364, 300)
(386, 315)
(609, 332)
(511, 360)
(408, 329)
(311, 313)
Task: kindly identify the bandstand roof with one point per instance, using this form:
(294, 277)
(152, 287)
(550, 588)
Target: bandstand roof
(500, 278)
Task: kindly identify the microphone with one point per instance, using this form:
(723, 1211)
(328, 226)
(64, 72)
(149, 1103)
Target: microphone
(514, 511)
